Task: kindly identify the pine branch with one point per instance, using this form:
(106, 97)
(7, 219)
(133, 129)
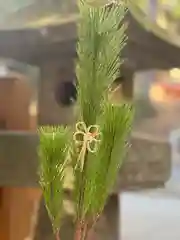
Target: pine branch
(100, 39)
(53, 151)
(103, 167)
(99, 139)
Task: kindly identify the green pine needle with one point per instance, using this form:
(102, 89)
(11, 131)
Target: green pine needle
(53, 152)
(101, 36)
(100, 42)
(103, 167)
(101, 39)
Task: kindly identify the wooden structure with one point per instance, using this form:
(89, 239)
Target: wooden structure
(18, 122)
(52, 51)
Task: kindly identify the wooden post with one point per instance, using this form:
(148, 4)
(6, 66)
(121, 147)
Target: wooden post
(16, 204)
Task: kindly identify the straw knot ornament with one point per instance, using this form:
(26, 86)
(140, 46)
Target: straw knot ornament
(88, 139)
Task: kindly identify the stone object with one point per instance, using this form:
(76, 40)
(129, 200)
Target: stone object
(53, 51)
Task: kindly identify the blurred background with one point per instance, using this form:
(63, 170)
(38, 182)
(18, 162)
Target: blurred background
(40, 36)
(154, 214)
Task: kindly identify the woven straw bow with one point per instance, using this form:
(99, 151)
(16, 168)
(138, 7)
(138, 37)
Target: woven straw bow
(87, 138)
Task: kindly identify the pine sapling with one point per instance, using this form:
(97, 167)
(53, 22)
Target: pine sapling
(95, 147)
